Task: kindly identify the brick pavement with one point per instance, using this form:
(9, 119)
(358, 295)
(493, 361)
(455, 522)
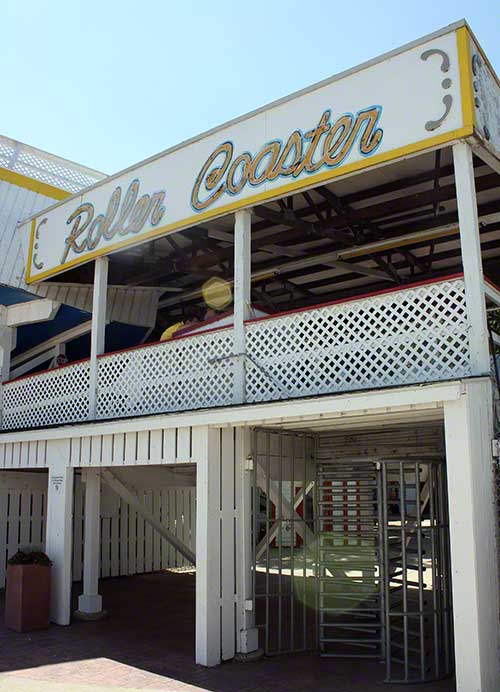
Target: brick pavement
(147, 643)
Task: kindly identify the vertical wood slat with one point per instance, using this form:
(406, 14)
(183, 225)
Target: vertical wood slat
(115, 545)
(78, 530)
(193, 519)
(119, 541)
(148, 534)
(140, 540)
(4, 498)
(36, 518)
(132, 541)
(25, 518)
(32, 454)
(143, 447)
(208, 562)
(124, 538)
(156, 494)
(155, 447)
(105, 546)
(170, 445)
(178, 526)
(227, 545)
(164, 518)
(183, 444)
(13, 523)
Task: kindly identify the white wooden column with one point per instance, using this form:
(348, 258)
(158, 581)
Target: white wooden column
(218, 550)
(59, 529)
(90, 602)
(7, 339)
(248, 634)
(468, 433)
(208, 548)
(471, 258)
(242, 297)
(99, 303)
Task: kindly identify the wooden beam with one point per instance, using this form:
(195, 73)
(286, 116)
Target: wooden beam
(32, 311)
(128, 496)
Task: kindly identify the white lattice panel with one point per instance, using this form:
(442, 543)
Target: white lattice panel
(412, 335)
(174, 376)
(55, 396)
(45, 167)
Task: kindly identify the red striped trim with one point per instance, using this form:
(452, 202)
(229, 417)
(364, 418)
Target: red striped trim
(384, 291)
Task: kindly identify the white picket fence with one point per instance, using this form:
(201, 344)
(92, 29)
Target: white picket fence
(128, 544)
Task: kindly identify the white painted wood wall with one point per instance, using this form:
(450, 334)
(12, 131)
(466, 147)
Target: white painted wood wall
(128, 544)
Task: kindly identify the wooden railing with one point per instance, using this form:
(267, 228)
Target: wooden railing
(412, 334)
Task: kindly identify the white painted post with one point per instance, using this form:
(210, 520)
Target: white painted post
(99, 303)
(242, 297)
(468, 433)
(90, 601)
(7, 337)
(471, 258)
(208, 548)
(248, 634)
(6, 346)
(59, 529)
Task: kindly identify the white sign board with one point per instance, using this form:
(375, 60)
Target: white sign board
(404, 103)
(486, 89)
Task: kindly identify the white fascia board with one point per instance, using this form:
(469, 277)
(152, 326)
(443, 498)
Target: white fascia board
(30, 312)
(415, 397)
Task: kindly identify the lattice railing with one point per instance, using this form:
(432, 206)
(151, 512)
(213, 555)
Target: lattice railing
(54, 396)
(45, 167)
(412, 335)
(403, 337)
(174, 376)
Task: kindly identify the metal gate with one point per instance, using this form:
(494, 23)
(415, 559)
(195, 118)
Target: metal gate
(417, 574)
(351, 557)
(284, 541)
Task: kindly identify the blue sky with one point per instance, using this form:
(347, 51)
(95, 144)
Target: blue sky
(108, 83)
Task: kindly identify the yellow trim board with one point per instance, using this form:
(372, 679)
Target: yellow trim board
(465, 67)
(28, 183)
(297, 185)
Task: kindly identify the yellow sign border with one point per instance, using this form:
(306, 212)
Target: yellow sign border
(466, 130)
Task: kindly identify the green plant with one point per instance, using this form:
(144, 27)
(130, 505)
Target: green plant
(28, 556)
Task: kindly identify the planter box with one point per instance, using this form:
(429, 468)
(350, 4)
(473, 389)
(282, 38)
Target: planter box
(27, 597)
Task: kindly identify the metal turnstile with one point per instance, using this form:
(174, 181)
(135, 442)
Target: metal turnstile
(351, 557)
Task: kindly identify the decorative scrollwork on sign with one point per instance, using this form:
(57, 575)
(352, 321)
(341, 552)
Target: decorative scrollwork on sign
(37, 264)
(477, 64)
(431, 125)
